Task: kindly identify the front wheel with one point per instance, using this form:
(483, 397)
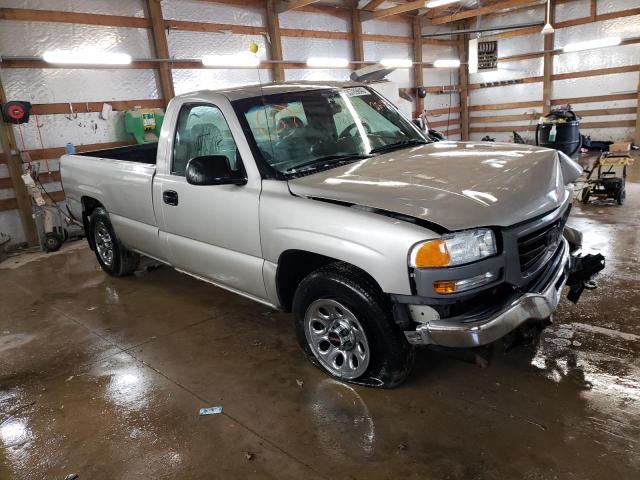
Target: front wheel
(345, 327)
(112, 255)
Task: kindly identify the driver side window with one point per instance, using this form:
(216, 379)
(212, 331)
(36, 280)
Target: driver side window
(202, 130)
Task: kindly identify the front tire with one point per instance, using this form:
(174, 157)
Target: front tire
(112, 255)
(345, 327)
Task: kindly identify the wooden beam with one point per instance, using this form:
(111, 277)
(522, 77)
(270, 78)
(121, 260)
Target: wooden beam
(596, 72)
(547, 62)
(480, 11)
(463, 81)
(301, 33)
(161, 48)
(9, 149)
(372, 5)
(356, 33)
(32, 15)
(284, 6)
(441, 111)
(387, 12)
(213, 27)
(601, 98)
(440, 42)
(370, 37)
(637, 132)
(88, 107)
(454, 122)
(275, 42)
(534, 116)
(524, 128)
(504, 118)
(418, 73)
(593, 9)
(504, 106)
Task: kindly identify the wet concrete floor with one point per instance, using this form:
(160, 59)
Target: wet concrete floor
(104, 377)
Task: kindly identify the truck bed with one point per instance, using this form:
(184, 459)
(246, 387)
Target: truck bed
(121, 179)
(144, 153)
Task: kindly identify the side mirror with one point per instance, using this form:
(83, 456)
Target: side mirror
(213, 170)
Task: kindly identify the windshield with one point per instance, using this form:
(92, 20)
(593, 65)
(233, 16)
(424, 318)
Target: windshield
(300, 131)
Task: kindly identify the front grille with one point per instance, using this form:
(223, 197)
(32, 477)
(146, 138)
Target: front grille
(535, 248)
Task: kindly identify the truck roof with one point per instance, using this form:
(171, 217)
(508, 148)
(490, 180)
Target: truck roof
(273, 88)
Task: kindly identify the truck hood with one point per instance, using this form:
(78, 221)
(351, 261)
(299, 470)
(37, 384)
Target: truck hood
(456, 185)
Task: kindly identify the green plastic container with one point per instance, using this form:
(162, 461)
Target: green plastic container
(144, 124)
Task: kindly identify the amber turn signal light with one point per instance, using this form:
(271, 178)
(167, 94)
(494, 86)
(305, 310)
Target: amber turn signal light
(444, 287)
(432, 254)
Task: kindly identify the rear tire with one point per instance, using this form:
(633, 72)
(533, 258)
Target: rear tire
(345, 327)
(620, 196)
(112, 255)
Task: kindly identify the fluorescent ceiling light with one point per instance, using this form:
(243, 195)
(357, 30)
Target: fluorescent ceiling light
(396, 62)
(439, 3)
(447, 63)
(323, 62)
(590, 44)
(473, 55)
(86, 57)
(244, 59)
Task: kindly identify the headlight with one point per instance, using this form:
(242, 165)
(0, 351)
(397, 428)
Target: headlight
(454, 249)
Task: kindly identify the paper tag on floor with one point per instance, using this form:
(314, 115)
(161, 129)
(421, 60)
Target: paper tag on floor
(210, 410)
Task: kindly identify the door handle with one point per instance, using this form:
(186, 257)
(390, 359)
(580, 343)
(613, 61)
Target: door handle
(170, 197)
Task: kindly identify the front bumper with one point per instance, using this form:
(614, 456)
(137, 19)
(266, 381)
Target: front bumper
(529, 306)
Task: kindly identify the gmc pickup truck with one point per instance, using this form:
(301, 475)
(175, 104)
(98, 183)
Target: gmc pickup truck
(323, 200)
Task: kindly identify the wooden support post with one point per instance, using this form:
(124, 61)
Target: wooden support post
(356, 30)
(418, 78)
(273, 28)
(14, 164)
(593, 7)
(463, 82)
(161, 49)
(547, 76)
(637, 135)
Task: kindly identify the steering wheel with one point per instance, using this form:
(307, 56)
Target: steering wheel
(351, 130)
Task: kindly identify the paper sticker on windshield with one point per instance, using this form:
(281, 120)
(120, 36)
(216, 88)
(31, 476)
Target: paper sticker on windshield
(356, 91)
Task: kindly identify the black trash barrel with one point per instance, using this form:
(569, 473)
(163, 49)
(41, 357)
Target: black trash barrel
(567, 137)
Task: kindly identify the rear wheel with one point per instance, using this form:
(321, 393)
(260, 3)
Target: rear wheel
(345, 327)
(620, 196)
(112, 255)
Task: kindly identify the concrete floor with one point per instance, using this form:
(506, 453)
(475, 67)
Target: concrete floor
(104, 377)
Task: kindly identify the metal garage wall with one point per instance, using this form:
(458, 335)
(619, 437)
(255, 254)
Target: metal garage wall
(188, 44)
(54, 85)
(448, 120)
(301, 48)
(620, 56)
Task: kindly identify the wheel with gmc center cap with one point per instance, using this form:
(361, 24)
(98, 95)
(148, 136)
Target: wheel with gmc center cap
(345, 327)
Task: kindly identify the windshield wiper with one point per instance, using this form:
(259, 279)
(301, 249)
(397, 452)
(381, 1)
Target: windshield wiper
(397, 145)
(329, 160)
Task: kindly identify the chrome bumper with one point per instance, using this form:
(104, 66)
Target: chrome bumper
(530, 306)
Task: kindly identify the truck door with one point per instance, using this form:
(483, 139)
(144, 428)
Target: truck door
(210, 231)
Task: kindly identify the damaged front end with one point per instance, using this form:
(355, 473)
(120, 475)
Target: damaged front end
(537, 259)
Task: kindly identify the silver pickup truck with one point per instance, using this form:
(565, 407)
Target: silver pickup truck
(323, 200)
